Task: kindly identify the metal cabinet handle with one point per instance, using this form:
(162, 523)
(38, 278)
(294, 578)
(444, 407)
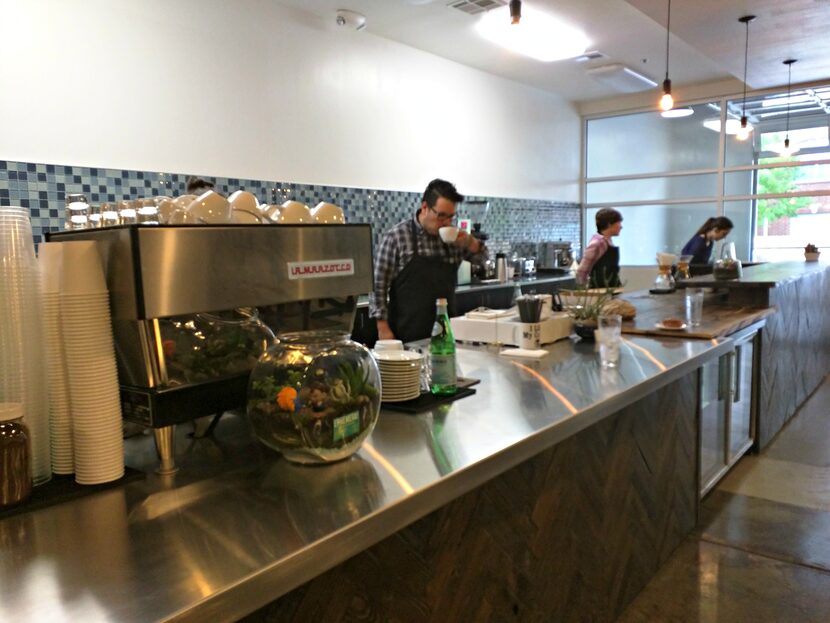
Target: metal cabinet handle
(736, 394)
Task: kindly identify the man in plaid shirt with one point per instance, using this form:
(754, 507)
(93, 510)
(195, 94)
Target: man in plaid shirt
(414, 266)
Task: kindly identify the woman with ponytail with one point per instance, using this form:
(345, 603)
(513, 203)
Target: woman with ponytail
(700, 245)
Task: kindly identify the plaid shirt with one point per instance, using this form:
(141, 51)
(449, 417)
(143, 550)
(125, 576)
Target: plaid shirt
(396, 250)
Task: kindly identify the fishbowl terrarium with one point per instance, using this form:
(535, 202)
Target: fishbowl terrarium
(210, 346)
(314, 396)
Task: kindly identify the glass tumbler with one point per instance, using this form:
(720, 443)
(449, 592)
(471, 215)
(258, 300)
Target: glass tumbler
(609, 335)
(77, 212)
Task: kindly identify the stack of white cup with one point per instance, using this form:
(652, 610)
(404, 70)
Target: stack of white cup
(90, 362)
(60, 413)
(22, 369)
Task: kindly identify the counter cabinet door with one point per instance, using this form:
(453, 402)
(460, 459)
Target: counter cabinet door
(714, 401)
(744, 387)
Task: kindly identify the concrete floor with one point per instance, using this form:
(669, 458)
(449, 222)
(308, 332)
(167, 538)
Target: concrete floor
(762, 550)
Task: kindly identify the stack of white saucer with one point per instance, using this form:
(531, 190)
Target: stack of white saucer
(60, 412)
(400, 373)
(90, 364)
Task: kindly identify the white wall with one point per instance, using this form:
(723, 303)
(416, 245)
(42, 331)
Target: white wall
(250, 89)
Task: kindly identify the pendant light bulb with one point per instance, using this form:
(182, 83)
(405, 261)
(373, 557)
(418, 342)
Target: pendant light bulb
(515, 11)
(667, 101)
(744, 130)
(788, 151)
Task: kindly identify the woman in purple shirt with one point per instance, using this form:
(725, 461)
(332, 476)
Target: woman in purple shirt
(700, 245)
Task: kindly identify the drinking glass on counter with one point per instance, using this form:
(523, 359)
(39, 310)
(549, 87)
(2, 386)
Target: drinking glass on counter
(609, 336)
(147, 211)
(95, 217)
(109, 215)
(694, 306)
(127, 212)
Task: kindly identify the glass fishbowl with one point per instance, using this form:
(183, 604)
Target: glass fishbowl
(210, 346)
(314, 396)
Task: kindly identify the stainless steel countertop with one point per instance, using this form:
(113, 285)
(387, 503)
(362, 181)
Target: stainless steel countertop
(238, 525)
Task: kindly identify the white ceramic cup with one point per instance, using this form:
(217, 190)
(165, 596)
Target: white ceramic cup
(244, 200)
(272, 212)
(166, 208)
(184, 201)
(294, 213)
(328, 214)
(246, 217)
(448, 234)
(211, 207)
(528, 335)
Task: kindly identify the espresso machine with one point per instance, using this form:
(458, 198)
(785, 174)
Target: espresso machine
(554, 254)
(164, 280)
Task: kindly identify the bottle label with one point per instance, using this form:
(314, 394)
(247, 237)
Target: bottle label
(443, 369)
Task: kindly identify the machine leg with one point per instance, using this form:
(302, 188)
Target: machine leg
(166, 449)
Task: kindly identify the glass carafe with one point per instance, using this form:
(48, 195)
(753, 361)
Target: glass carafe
(683, 267)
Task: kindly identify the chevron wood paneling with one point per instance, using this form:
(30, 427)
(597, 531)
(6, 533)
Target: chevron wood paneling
(571, 535)
(795, 350)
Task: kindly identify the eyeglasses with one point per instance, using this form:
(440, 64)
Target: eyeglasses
(443, 216)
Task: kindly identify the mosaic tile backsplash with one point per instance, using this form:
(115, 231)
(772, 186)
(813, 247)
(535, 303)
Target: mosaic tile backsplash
(42, 188)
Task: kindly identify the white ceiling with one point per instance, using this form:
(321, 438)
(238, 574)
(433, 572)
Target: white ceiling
(707, 41)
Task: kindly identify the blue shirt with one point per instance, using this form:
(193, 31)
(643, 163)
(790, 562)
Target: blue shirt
(699, 248)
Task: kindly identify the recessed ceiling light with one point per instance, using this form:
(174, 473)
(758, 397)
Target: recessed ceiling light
(675, 113)
(538, 35)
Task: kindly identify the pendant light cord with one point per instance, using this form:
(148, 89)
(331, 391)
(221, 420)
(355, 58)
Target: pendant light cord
(668, 31)
(789, 84)
(746, 61)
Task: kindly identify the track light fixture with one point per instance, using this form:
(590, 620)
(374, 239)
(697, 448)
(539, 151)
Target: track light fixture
(746, 128)
(667, 101)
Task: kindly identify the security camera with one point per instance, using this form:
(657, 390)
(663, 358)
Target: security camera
(352, 19)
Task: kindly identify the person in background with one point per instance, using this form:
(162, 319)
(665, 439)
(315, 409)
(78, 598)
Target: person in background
(197, 185)
(600, 265)
(700, 245)
(414, 267)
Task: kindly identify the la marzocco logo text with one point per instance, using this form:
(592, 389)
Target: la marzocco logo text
(324, 268)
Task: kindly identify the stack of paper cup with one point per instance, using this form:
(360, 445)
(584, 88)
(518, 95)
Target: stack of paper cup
(90, 363)
(22, 369)
(60, 414)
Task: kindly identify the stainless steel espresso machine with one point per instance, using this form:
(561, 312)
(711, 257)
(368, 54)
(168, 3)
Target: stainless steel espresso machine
(554, 254)
(164, 280)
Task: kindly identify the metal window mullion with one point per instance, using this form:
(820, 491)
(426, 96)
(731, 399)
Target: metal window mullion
(721, 181)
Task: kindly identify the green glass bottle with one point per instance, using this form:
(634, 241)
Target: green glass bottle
(442, 353)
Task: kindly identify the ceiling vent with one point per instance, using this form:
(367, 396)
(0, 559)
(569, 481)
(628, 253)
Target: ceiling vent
(473, 7)
(621, 78)
(593, 55)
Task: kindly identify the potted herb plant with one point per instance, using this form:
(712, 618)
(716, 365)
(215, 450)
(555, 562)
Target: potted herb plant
(811, 253)
(586, 306)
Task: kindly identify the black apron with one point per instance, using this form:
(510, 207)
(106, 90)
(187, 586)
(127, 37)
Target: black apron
(413, 293)
(606, 272)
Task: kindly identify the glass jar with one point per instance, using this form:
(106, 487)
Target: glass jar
(77, 212)
(15, 462)
(314, 396)
(209, 346)
(728, 266)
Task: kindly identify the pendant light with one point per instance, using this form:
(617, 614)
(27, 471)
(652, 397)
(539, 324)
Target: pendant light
(515, 11)
(746, 128)
(667, 101)
(788, 151)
